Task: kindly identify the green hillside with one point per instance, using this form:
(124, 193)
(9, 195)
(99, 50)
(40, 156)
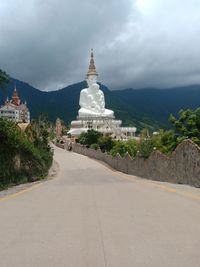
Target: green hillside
(141, 108)
(160, 103)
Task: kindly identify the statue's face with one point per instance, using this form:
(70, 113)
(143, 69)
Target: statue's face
(91, 80)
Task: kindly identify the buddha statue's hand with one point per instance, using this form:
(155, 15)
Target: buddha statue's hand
(94, 106)
(90, 98)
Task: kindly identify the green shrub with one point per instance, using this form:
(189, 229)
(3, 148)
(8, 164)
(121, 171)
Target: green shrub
(33, 153)
(89, 138)
(105, 143)
(165, 141)
(120, 147)
(94, 146)
(132, 147)
(123, 147)
(145, 148)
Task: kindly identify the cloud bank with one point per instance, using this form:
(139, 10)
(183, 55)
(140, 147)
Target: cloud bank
(143, 43)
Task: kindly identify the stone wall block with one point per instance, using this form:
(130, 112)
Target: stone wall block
(182, 166)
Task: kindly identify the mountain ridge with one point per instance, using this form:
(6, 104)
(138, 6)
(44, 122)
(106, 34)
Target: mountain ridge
(148, 107)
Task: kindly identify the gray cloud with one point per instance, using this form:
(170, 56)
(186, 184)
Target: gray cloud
(138, 44)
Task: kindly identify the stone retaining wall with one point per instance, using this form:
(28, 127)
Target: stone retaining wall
(182, 166)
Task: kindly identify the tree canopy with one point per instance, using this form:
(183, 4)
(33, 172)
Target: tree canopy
(4, 78)
(89, 138)
(187, 125)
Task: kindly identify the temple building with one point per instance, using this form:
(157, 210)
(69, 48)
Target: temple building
(93, 114)
(15, 110)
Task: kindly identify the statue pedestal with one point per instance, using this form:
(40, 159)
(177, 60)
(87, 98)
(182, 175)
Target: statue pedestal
(99, 123)
(105, 125)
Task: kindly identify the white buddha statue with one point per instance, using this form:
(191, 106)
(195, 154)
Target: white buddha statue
(92, 99)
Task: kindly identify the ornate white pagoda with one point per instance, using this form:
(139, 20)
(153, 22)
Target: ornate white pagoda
(94, 115)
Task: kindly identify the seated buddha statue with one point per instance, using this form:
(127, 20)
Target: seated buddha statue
(92, 99)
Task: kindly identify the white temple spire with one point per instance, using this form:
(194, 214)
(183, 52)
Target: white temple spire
(92, 68)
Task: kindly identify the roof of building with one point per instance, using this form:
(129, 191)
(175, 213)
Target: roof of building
(8, 106)
(14, 103)
(15, 98)
(21, 107)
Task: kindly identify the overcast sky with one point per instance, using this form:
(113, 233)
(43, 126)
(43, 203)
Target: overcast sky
(137, 43)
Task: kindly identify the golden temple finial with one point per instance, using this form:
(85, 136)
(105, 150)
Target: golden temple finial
(15, 98)
(92, 68)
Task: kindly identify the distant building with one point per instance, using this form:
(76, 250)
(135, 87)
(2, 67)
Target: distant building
(15, 110)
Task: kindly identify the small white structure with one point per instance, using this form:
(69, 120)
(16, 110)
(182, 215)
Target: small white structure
(15, 110)
(94, 115)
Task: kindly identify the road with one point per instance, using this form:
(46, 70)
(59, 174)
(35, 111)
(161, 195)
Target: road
(92, 216)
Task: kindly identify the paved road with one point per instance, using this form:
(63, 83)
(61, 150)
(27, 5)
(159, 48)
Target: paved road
(91, 216)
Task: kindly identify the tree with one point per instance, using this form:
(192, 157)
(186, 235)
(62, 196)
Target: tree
(89, 138)
(122, 147)
(165, 141)
(38, 130)
(105, 143)
(145, 147)
(145, 144)
(4, 78)
(187, 125)
(132, 147)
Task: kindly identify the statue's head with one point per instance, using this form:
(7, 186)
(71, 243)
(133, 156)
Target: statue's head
(91, 79)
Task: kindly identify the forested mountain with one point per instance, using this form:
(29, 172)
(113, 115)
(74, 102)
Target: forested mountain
(141, 108)
(158, 104)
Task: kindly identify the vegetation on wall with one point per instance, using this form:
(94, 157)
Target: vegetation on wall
(96, 140)
(25, 156)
